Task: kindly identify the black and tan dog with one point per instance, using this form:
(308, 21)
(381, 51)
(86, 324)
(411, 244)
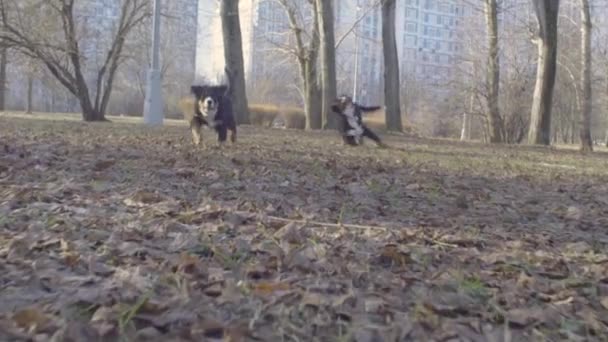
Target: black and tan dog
(352, 127)
(213, 108)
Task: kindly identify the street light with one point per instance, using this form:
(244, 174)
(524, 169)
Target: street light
(153, 105)
(356, 81)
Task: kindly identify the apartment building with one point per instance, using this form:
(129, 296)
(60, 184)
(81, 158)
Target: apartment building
(430, 36)
(427, 40)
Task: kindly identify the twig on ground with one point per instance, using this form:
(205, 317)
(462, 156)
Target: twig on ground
(325, 224)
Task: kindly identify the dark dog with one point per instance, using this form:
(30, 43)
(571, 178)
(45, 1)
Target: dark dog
(213, 108)
(351, 124)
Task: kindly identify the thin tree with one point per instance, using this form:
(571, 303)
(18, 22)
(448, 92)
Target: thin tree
(48, 32)
(586, 27)
(233, 56)
(494, 120)
(328, 59)
(540, 116)
(307, 56)
(391, 67)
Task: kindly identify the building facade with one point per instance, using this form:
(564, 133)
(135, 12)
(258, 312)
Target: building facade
(428, 39)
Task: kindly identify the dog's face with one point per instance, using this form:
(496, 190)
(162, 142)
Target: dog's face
(208, 98)
(341, 103)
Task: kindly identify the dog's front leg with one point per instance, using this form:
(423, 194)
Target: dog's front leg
(222, 135)
(197, 139)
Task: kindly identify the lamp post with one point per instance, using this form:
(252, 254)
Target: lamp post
(153, 105)
(356, 81)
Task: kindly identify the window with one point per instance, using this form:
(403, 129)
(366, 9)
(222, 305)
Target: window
(439, 21)
(410, 54)
(411, 13)
(426, 44)
(411, 27)
(411, 40)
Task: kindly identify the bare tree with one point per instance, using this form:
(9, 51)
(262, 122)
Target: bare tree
(540, 117)
(48, 31)
(307, 55)
(328, 58)
(493, 73)
(233, 55)
(391, 67)
(585, 129)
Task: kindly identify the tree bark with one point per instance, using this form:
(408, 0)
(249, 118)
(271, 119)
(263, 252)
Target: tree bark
(540, 116)
(325, 14)
(495, 124)
(465, 133)
(313, 102)
(3, 64)
(233, 56)
(30, 95)
(586, 27)
(391, 67)
(307, 57)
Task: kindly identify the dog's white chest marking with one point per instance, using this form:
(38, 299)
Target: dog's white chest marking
(209, 108)
(356, 129)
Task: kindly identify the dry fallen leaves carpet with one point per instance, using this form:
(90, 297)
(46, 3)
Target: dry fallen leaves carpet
(116, 232)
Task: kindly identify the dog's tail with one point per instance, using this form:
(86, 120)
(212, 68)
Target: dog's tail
(369, 109)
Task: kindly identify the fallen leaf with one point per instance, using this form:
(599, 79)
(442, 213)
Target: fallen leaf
(522, 317)
(103, 164)
(267, 288)
(31, 319)
(604, 302)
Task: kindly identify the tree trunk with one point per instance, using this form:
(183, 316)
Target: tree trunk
(540, 116)
(465, 133)
(391, 67)
(328, 60)
(313, 102)
(585, 129)
(30, 95)
(495, 125)
(233, 56)
(3, 64)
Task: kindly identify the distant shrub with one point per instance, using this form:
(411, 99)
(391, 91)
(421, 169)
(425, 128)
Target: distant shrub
(376, 121)
(293, 117)
(263, 114)
(186, 107)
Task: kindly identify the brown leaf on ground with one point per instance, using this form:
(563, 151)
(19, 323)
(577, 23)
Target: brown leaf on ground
(32, 319)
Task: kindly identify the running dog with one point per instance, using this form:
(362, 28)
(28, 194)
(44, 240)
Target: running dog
(352, 127)
(213, 108)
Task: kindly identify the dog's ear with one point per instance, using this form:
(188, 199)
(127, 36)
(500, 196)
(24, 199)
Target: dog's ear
(197, 90)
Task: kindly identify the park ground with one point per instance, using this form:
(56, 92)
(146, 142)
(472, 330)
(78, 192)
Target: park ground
(118, 230)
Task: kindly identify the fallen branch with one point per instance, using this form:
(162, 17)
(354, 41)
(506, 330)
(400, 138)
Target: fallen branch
(325, 224)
